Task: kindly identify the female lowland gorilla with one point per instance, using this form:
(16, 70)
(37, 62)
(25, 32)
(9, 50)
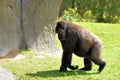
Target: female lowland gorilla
(78, 40)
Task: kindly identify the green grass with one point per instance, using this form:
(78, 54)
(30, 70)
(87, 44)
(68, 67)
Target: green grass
(47, 68)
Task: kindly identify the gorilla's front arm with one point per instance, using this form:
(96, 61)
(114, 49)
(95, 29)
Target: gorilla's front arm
(67, 54)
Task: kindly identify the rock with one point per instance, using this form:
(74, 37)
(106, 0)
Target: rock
(28, 24)
(6, 75)
(10, 28)
(39, 17)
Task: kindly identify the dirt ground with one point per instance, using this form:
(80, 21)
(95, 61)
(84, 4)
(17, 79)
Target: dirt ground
(13, 54)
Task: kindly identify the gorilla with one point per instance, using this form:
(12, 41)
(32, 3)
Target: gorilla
(83, 43)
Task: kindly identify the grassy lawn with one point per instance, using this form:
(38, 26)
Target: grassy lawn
(47, 68)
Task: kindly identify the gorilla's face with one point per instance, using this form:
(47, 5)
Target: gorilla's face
(60, 29)
(61, 34)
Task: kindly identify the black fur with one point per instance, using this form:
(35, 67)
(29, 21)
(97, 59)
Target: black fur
(78, 40)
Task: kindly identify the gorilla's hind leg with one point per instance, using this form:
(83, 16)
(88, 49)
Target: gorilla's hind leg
(87, 64)
(96, 56)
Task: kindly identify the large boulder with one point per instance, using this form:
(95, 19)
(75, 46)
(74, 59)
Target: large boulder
(6, 75)
(10, 26)
(28, 24)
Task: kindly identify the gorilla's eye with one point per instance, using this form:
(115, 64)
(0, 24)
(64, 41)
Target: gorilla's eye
(59, 36)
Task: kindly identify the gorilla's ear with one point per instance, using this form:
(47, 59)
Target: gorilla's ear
(67, 30)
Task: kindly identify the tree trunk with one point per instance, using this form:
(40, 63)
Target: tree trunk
(28, 24)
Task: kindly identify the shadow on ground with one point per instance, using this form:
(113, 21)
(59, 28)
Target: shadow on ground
(56, 73)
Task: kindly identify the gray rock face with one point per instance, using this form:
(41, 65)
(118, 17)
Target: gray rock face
(39, 17)
(6, 75)
(28, 24)
(10, 30)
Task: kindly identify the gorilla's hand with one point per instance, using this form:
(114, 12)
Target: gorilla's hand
(63, 68)
(73, 67)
